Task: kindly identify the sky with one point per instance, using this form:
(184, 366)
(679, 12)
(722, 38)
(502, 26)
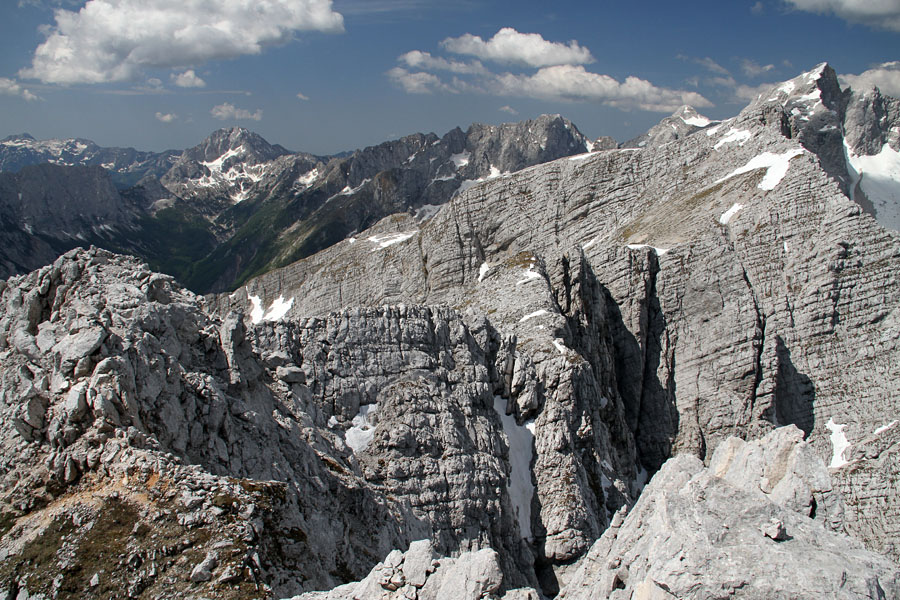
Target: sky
(325, 76)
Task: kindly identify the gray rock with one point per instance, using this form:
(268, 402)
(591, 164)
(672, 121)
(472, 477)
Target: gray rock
(204, 569)
(680, 539)
(290, 374)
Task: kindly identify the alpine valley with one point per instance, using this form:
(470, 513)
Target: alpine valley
(509, 362)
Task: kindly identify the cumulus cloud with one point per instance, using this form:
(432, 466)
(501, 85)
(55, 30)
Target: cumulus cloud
(166, 117)
(883, 14)
(552, 71)
(302, 96)
(885, 77)
(9, 87)
(417, 83)
(754, 69)
(510, 46)
(188, 79)
(417, 59)
(114, 40)
(228, 112)
(574, 82)
(508, 109)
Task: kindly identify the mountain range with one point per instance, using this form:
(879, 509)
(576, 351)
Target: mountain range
(236, 206)
(506, 363)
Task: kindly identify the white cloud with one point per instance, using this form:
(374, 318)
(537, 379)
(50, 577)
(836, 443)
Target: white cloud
(166, 117)
(417, 83)
(754, 69)
(114, 40)
(705, 62)
(510, 46)
(417, 59)
(228, 112)
(302, 96)
(758, 8)
(9, 87)
(573, 82)
(749, 93)
(885, 76)
(883, 14)
(508, 109)
(739, 92)
(188, 79)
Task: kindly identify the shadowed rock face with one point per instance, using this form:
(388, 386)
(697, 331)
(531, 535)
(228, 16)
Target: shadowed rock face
(472, 402)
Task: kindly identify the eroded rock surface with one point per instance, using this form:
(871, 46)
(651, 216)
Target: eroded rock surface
(732, 530)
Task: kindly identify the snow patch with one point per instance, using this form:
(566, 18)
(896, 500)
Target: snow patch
(734, 135)
(838, 442)
(332, 421)
(362, 429)
(256, 309)
(884, 428)
(776, 166)
(558, 343)
(389, 239)
(530, 274)
(495, 172)
(276, 311)
(659, 251)
(460, 160)
(307, 178)
(536, 313)
(726, 216)
(786, 88)
(697, 121)
(879, 177)
(483, 271)
(578, 157)
(521, 451)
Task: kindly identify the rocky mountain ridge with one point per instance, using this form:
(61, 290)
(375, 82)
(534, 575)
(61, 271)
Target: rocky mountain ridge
(472, 404)
(243, 206)
(737, 281)
(125, 165)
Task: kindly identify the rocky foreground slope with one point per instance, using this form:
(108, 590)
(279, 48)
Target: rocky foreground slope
(471, 405)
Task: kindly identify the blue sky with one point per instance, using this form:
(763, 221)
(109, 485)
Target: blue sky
(323, 76)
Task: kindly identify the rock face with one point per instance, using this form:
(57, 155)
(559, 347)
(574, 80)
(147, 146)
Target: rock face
(146, 446)
(730, 531)
(720, 285)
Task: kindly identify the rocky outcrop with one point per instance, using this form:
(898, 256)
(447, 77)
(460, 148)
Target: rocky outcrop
(419, 574)
(733, 530)
(146, 448)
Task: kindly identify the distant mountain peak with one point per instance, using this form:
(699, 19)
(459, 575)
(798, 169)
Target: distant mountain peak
(19, 137)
